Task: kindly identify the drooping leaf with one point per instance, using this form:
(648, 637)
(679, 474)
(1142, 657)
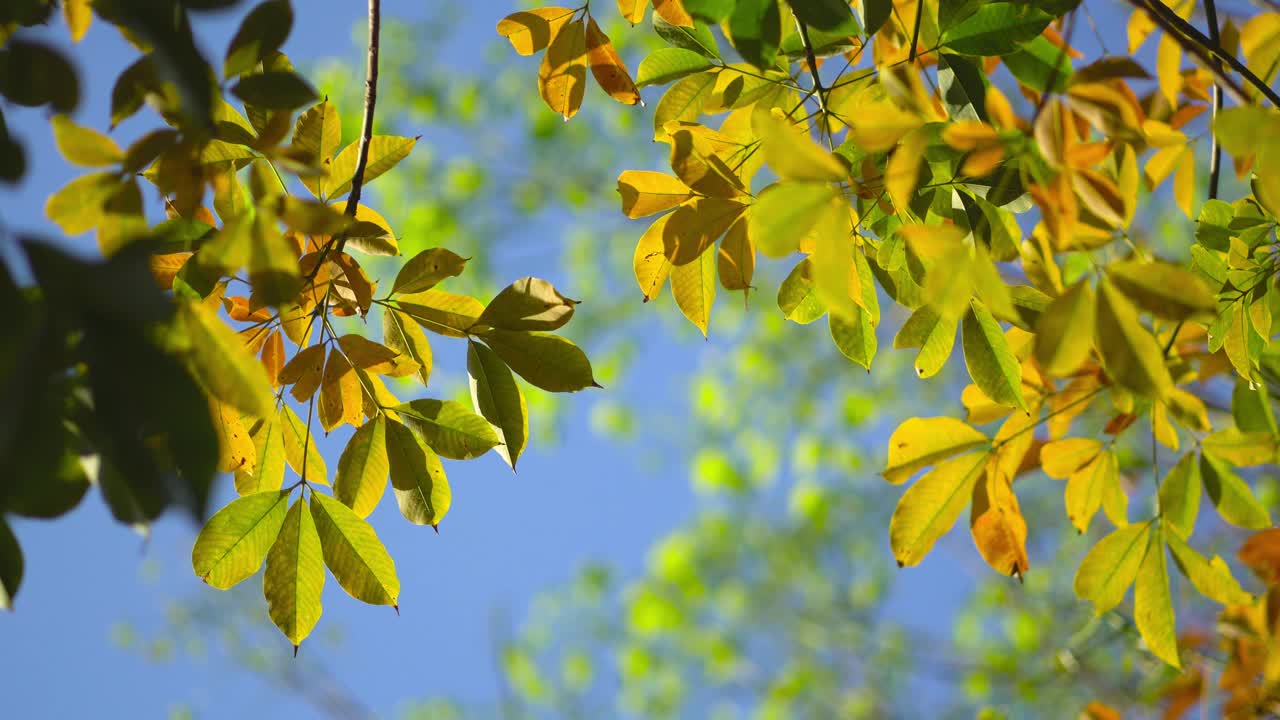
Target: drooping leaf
(1086, 488)
(546, 361)
(1060, 458)
(268, 471)
(1180, 496)
(262, 33)
(222, 363)
(449, 428)
(693, 285)
(1130, 352)
(422, 490)
(1166, 290)
(1232, 496)
(294, 579)
(403, 335)
(11, 566)
(1064, 331)
(353, 553)
(531, 31)
(934, 334)
(920, 442)
(607, 67)
(798, 297)
(498, 398)
(1212, 578)
(300, 448)
(855, 338)
(1153, 604)
(999, 530)
(562, 77)
(991, 363)
(1111, 566)
(931, 506)
(232, 545)
(362, 470)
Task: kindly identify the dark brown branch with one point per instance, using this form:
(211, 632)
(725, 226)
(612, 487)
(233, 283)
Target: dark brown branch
(818, 91)
(1198, 45)
(915, 32)
(370, 100)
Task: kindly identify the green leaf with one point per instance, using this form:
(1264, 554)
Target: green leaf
(798, 296)
(921, 442)
(697, 38)
(426, 269)
(825, 14)
(1064, 331)
(667, 64)
(784, 213)
(875, 13)
(930, 507)
(10, 565)
(268, 446)
(710, 10)
(528, 304)
(1153, 604)
(422, 490)
(997, 28)
(991, 363)
(963, 88)
(1130, 353)
(385, 152)
(1040, 65)
(362, 470)
(318, 131)
(449, 428)
(441, 312)
(221, 362)
(855, 338)
(498, 398)
(262, 33)
(933, 334)
(1212, 578)
(1166, 290)
(294, 579)
(1243, 449)
(354, 554)
(401, 334)
(297, 439)
(232, 545)
(275, 90)
(755, 27)
(84, 146)
(1232, 496)
(546, 361)
(1111, 566)
(1180, 496)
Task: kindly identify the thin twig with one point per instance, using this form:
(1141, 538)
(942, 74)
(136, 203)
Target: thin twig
(1197, 44)
(370, 100)
(818, 91)
(915, 32)
(1215, 152)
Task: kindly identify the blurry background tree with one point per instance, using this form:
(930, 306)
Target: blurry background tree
(777, 598)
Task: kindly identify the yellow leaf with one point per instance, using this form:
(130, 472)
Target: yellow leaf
(303, 372)
(1153, 604)
(996, 522)
(84, 146)
(793, 155)
(903, 169)
(1168, 68)
(406, 337)
(878, 127)
(693, 285)
(373, 357)
(736, 260)
(79, 16)
(920, 442)
(300, 449)
(1061, 458)
(695, 226)
(1139, 29)
(930, 507)
(236, 449)
(562, 77)
(441, 312)
(532, 30)
(784, 213)
(294, 579)
(361, 478)
(697, 159)
(607, 68)
(650, 261)
(1130, 352)
(222, 363)
(1085, 489)
(633, 10)
(832, 260)
(1184, 184)
(1064, 331)
(673, 12)
(1110, 567)
(645, 192)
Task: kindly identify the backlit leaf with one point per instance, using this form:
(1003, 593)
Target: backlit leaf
(1232, 496)
(426, 269)
(528, 304)
(532, 30)
(1130, 353)
(496, 396)
(222, 363)
(232, 545)
(449, 428)
(1064, 331)
(353, 552)
(667, 64)
(607, 67)
(300, 449)
(84, 146)
(422, 491)
(1212, 578)
(1153, 604)
(362, 470)
(441, 312)
(1166, 290)
(920, 442)
(1111, 566)
(385, 152)
(562, 77)
(645, 192)
(693, 285)
(997, 525)
(784, 213)
(294, 579)
(931, 506)
(403, 335)
(991, 364)
(546, 361)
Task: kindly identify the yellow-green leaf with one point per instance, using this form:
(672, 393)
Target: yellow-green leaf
(991, 363)
(1110, 567)
(645, 192)
(404, 336)
(297, 441)
(1086, 487)
(528, 304)
(1153, 604)
(930, 507)
(855, 338)
(934, 334)
(1163, 289)
(353, 552)
(317, 133)
(693, 285)
(268, 472)
(441, 312)
(1180, 496)
(497, 397)
(785, 212)
(1061, 458)
(1232, 496)
(449, 428)
(424, 270)
(1064, 332)
(1242, 449)
(920, 442)
(1211, 577)
(546, 361)
(232, 545)
(1130, 353)
(798, 298)
(362, 470)
(793, 155)
(84, 146)
(422, 490)
(294, 578)
(221, 362)
(385, 151)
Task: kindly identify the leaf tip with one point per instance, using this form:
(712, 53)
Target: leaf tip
(595, 384)
(295, 651)
(396, 607)
(436, 527)
(901, 564)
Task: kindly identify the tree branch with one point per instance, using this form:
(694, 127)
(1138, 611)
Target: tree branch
(1204, 50)
(1215, 151)
(370, 100)
(819, 91)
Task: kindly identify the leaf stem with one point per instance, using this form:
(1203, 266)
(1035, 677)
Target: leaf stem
(819, 92)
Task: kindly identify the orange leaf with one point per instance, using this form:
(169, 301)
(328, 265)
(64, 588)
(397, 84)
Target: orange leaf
(607, 68)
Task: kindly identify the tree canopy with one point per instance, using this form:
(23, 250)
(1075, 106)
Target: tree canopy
(951, 168)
